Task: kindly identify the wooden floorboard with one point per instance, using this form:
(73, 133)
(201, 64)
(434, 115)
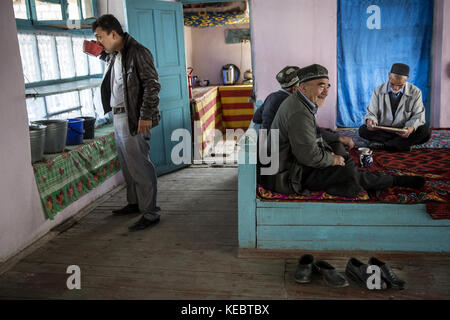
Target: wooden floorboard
(193, 254)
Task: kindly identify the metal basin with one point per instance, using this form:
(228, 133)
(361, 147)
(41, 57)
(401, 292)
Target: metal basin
(37, 142)
(55, 135)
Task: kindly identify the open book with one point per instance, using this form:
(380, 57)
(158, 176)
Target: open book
(391, 129)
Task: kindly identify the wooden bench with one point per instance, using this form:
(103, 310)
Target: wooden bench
(330, 226)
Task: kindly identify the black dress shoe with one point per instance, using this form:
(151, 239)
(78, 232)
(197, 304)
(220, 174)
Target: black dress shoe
(304, 269)
(377, 145)
(128, 209)
(143, 223)
(329, 274)
(357, 271)
(388, 275)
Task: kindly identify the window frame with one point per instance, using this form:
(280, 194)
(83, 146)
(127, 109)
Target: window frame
(34, 23)
(82, 27)
(64, 80)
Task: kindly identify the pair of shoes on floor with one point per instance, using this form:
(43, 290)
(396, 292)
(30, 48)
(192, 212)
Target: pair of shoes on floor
(143, 223)
(307, 265)
(129, 209)
(357, 271)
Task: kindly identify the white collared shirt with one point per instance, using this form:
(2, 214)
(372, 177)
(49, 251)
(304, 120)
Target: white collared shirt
(117, 95)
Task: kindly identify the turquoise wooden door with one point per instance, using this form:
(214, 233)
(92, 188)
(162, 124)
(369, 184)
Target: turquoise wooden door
(159, 26)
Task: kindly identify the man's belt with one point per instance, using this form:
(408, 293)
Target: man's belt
(119, 110)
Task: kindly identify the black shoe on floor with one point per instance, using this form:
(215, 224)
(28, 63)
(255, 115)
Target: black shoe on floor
(330, 276)
(388, 275)
(128, 209)
(357, 271)
(304, 269)
(143, 223)
(377, 145)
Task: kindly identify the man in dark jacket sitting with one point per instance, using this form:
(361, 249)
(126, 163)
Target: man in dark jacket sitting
(289, 82)
(306, 161)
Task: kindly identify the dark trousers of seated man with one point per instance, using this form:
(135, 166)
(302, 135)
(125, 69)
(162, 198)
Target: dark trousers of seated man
(338, 148)
(345, 181)
(393, 141)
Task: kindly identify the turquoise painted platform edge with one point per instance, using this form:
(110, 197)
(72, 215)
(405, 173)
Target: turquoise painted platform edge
(331, 226)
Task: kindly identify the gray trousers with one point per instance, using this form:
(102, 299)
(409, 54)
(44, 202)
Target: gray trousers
(138, 170)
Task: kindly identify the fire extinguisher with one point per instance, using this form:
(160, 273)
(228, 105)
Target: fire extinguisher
(190, 81)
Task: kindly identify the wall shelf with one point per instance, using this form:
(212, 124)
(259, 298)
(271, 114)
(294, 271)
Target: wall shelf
(47, 90)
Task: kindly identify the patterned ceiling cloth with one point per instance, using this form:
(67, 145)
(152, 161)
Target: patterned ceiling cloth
(213, 19)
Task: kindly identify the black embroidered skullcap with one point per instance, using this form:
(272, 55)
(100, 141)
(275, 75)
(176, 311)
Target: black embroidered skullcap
(288, 76)
(312, 72)
(401, 69)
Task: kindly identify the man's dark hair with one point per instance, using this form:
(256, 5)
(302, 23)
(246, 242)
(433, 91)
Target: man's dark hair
(108, 23)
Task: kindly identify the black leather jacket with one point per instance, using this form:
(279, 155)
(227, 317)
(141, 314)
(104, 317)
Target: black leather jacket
(140, 83)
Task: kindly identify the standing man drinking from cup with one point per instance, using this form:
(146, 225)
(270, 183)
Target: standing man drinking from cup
(130, 90)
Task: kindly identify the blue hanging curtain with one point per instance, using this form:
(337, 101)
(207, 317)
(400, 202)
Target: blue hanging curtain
(372, 35)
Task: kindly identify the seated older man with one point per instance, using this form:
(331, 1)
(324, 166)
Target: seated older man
(396, 103)
(306, 161)
(289, 82)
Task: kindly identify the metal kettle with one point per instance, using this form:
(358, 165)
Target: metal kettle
(230, 74)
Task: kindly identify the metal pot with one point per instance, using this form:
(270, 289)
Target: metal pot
(37, 142)
(55, 135)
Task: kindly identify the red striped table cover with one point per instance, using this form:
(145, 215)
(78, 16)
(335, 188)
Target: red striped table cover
(236, 108)
(208, 117)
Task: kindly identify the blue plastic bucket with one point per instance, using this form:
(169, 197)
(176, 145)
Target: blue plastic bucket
(75, 132)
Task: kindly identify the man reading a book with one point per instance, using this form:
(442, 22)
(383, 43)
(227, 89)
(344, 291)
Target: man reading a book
(396, 104)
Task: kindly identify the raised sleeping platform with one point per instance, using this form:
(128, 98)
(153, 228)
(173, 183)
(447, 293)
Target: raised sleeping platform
(411, 221)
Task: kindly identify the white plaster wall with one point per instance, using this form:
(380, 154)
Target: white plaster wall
(22, 218)
(210, 52)
(19, 201)
(440, 100)
(188, 46)
(294, 32)
(114, 7)
(445, 79)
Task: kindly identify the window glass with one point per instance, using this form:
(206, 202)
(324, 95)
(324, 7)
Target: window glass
(62, 101)
(72, 9)
(36, 109)
(28, 54)
(48, 10)
(87, 106)
(65, 56)
(47, 57)
(67, 115)
(81, 62)
(20, 9)
(86, 7)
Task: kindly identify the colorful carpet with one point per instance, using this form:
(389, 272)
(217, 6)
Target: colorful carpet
(440, 138)
(213, 19)
(433, 164)
(265, 194)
